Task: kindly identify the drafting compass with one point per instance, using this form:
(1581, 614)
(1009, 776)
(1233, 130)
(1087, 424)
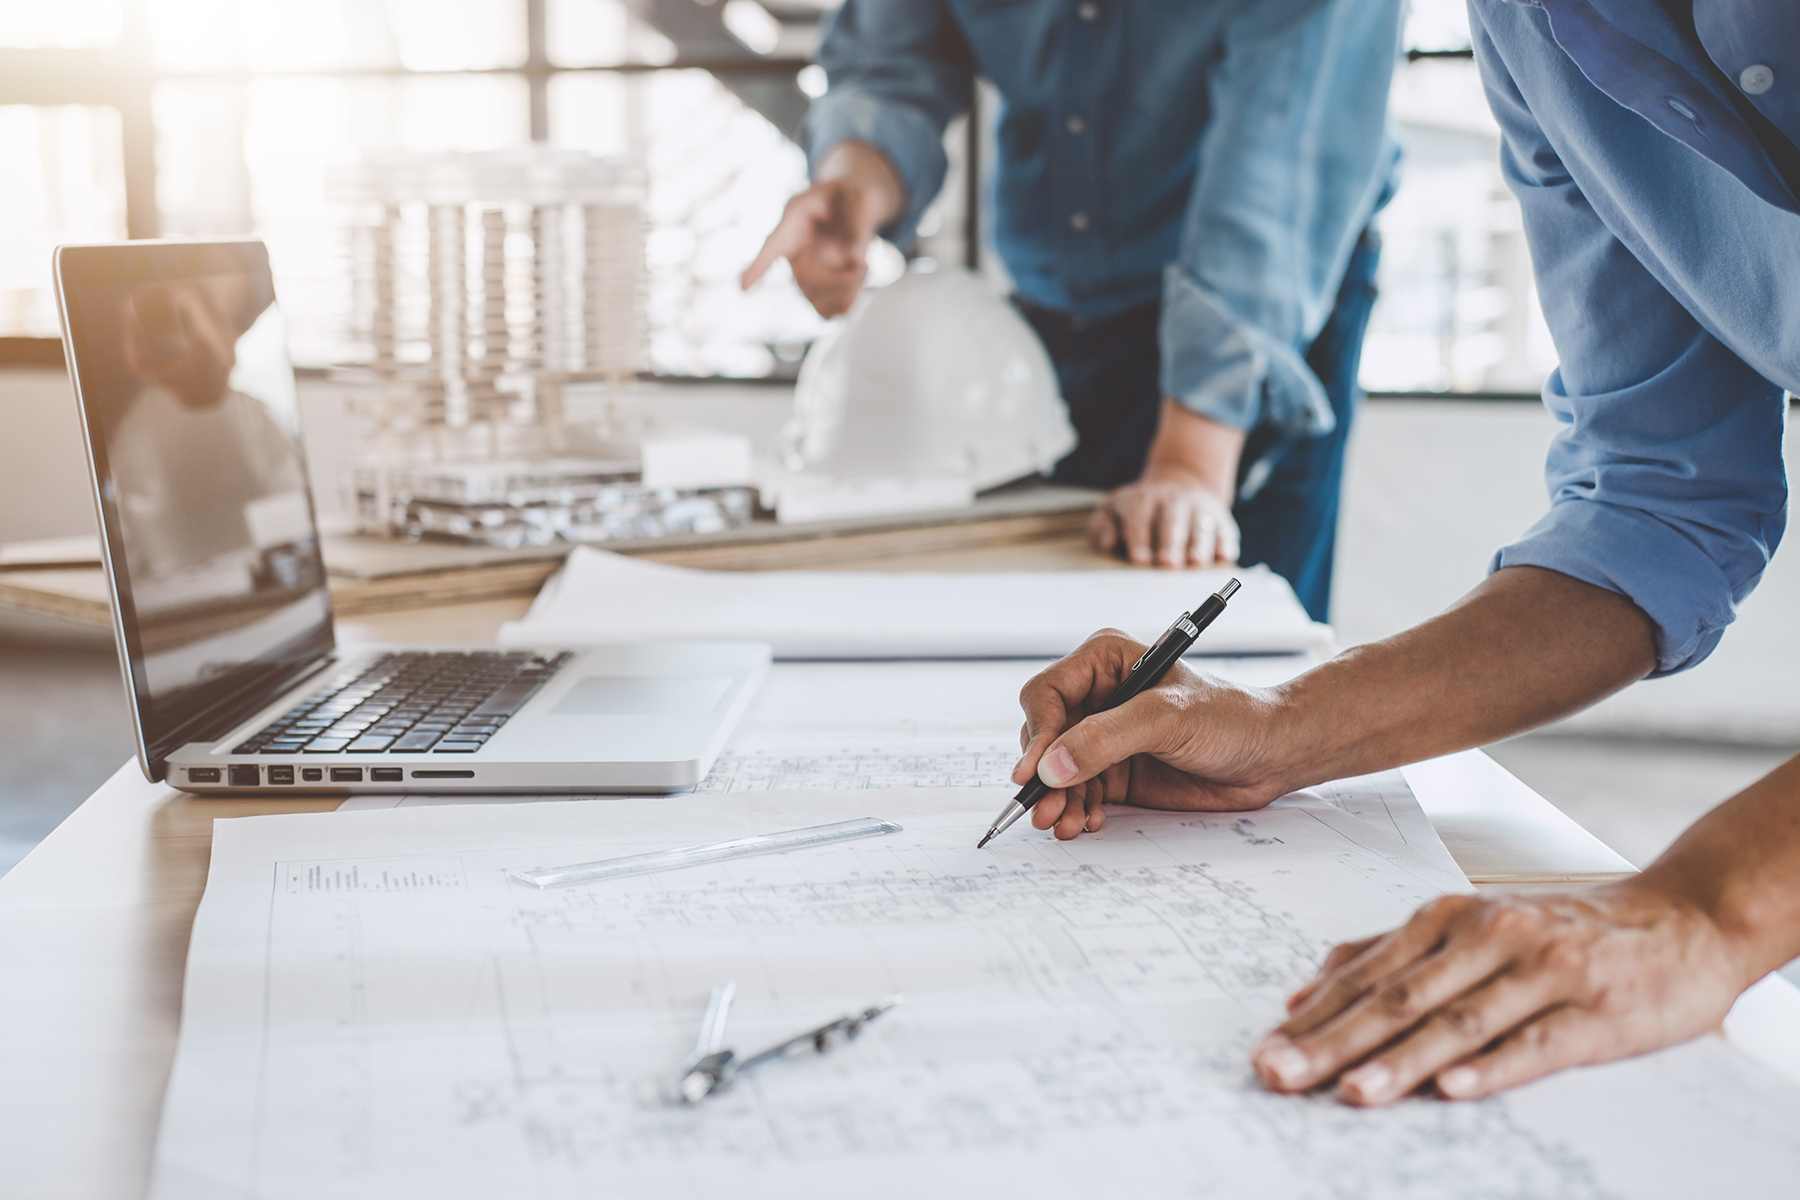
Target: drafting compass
(712, 1067)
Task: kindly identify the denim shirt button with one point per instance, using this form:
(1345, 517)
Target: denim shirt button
(1756, 79)
(1089, 11)
(1075, 125)
(1078, 221)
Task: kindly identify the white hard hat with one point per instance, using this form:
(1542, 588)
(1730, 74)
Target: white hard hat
(936, 377)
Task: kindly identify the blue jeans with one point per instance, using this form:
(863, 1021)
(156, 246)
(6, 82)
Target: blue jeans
(1287, 501)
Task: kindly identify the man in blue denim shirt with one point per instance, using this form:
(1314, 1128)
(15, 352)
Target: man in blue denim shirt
(1180, 194)
(1655, 148)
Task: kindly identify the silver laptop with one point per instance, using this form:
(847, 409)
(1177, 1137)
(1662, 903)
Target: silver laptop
(220, 607)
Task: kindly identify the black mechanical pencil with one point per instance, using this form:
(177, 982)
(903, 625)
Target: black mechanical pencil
(1145, 673)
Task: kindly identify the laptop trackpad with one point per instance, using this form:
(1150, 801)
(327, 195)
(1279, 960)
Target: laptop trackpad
(619, 695)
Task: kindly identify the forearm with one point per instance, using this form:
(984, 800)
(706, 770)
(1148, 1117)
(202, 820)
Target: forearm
(1740, 865)
(1195, 448)
(1525, 648)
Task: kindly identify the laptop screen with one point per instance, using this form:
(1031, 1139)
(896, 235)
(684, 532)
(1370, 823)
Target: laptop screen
(192, 420)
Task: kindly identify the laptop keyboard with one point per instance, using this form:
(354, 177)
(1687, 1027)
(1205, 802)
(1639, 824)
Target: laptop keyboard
(409, 703)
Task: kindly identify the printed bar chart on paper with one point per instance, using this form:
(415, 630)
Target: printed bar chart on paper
(393, 876)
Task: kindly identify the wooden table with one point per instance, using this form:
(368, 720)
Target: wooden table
(61, 578)
(94, 923)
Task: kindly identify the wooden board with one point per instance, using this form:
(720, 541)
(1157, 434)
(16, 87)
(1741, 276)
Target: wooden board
(1503, 834)
(51, 553)
(1026, 510)
(372, 575)
(74, 594)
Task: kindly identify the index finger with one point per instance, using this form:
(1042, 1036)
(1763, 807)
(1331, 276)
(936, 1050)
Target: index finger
(1068, 689)
(1103, 530)
(780, 243)
(1340, 986)
(789, 235)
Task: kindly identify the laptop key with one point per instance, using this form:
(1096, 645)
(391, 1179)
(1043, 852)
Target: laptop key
(451, 701)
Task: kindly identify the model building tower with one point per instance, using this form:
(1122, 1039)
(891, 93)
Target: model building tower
(482, 281)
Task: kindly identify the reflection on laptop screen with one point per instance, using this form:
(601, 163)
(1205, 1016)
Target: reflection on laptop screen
(191, 410)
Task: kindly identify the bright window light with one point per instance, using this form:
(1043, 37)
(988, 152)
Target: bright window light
(751, 24)
(64, 183)
(63, 25)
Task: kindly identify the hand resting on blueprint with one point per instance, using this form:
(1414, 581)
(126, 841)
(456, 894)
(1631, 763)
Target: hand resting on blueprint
(1151, 751)
(1476, 994)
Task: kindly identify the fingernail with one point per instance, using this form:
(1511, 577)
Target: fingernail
(1058, 767)
(1283, 1060)
(1459, 1081)
(1370, 1081)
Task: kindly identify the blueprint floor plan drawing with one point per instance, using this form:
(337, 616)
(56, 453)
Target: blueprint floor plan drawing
(373, 1010)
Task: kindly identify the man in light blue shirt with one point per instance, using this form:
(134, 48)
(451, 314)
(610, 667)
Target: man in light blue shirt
(1654, 146)
(1180, 198)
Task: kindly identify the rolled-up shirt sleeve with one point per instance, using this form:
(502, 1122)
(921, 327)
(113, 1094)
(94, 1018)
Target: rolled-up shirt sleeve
(1666, 479)
(1291, 165)
(898, 71)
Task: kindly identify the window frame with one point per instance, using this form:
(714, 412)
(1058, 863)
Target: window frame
(123, 78)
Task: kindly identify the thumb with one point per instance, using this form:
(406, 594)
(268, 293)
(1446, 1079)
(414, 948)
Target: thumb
(1096, 743)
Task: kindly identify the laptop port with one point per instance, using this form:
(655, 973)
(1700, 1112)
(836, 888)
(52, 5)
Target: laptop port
(312, 774)
(281, 774)
(386, 774)
(346, 774)
(245, 774)
(443, 774)
(203, 774)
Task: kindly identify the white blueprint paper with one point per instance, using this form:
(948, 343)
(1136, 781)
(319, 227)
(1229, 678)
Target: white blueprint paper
(373, 1010)
(602, 596)
(849, 726)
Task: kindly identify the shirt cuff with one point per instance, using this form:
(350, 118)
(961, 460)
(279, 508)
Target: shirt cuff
(1224, 368)
(908, 138)
(1648, 561)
